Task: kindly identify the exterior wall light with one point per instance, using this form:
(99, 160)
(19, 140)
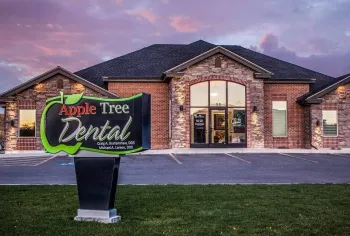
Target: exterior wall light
(318, 123)
(255, 109)
(12, 122)
(181, 108)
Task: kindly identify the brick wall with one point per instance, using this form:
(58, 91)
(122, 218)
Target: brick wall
(35, 98)
(159, 107)
(206, 70)
(339, 100)
(295, 115)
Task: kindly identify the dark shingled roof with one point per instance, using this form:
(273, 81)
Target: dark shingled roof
(152, 61)
(322, 87)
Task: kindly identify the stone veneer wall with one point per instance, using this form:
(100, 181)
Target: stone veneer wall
(206, 70)
(159, 107)
(34, 98)
(339, 100)
(295, 115)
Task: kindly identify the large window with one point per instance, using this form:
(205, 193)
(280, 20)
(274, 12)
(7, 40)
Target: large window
(218, 113)
(27, 123)
(330, 123)
(279, 118)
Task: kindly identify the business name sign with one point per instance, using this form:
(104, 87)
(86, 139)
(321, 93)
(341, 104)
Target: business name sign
(114, 126)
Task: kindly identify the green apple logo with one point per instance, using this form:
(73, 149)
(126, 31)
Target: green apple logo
(70, 100)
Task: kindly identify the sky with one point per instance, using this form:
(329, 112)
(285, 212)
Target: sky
(38, 35)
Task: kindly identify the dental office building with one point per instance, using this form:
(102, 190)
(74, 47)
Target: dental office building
(202, 95)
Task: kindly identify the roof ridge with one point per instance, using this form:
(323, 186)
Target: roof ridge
(201, 40)
(282, 60)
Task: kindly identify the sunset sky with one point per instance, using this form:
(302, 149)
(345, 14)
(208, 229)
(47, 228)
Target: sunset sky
(37, 35)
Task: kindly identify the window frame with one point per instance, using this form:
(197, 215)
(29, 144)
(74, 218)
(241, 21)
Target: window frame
(19, 123)
(226, 107)
(280, 136)
(331, 136)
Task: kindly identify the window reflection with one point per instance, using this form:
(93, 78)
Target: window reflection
(236, 95)
(199, 94)
(217, 93)
(27, 123)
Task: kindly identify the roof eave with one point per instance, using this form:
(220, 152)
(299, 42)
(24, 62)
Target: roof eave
(290, 81)
(328, 89)
(50, 73)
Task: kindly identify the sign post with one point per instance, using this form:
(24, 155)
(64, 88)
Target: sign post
(96, 131)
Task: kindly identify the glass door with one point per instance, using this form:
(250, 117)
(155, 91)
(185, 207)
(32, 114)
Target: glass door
(218, 127)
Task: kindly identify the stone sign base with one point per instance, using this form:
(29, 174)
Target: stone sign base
(98, 216)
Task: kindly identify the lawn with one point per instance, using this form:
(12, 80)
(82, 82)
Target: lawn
(183, 210)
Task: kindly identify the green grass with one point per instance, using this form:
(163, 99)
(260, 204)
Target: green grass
(183, 210)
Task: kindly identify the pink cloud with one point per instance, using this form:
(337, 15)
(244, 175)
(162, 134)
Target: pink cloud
(148, 15)
(183, 24)
(269, 42)
(119, 3)
(55, 51)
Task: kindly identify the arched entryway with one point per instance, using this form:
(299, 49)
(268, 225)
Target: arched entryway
(218, 114)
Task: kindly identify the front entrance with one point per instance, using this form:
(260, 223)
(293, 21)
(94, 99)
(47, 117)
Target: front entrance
(217, 127)
(219, 121)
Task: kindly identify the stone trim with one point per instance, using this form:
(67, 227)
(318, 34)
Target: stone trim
(214, 77)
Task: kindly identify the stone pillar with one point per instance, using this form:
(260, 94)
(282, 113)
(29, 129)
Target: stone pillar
(256, 119)
(316, 131)
(180, 128)
(11, 132)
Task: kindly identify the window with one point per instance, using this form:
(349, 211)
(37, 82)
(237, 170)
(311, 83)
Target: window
(279, 118)
(217, 93)
(199, 94)
(330, 123)
(27, 123)
(236, 95)
(218, 113)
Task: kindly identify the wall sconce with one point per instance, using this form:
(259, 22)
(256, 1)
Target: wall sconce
(181, 108)
(12, 123)
(318, 123)
(255, 108)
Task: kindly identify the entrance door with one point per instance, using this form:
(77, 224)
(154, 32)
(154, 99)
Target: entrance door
(218, 127)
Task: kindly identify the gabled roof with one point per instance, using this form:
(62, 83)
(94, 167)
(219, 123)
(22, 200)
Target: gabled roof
(261, 71)
(151, 62)
(316, 95)
(51, 73)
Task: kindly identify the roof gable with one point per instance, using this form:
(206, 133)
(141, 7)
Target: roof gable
(316, 96)
(51, 73)
(259, 70)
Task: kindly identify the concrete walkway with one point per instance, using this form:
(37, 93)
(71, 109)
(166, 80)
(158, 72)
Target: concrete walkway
(239, 150)
(193, 151)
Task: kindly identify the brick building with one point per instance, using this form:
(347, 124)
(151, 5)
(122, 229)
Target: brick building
(203, 95)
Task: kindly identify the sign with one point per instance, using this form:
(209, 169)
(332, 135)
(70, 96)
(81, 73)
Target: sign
(238, 121)
(113, 126)
(199, 128)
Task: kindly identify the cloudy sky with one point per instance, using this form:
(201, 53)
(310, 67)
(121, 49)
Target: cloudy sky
(37, 35)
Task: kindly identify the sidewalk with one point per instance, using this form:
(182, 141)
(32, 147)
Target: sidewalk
(191, 151)
(238, 150)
